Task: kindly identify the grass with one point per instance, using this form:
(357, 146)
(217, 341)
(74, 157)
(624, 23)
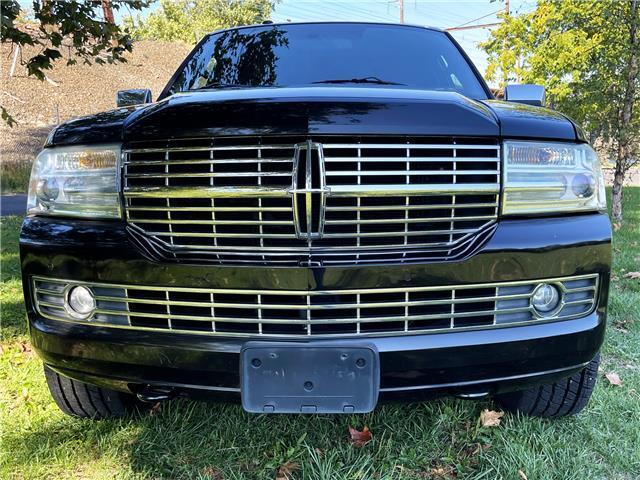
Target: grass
(14, 177)
(438, 439)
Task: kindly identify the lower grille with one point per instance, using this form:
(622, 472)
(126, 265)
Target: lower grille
(300, 313)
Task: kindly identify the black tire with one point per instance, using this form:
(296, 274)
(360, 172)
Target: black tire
(82, 400)
(564, 397)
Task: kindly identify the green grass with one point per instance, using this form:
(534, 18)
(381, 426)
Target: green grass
(212, 441)
(14, 177)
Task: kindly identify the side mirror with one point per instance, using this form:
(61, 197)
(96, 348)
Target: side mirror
(137, 96)
(529, 94)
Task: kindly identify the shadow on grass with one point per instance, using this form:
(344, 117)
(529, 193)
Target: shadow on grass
(188, 439)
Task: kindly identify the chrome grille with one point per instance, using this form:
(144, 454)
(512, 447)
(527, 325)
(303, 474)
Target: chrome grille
(382, 199)
(300, 313)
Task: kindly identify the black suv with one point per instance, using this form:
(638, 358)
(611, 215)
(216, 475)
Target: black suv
(312, 217)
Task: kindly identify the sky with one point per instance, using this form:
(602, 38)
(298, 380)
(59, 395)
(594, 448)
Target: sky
(433, 13)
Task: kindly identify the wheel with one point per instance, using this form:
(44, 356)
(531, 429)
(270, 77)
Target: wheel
(564, 397)
(87, 401)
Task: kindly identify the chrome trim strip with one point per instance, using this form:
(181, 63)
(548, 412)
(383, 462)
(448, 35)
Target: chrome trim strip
(413, 189)
(361, 291)
(200, 192)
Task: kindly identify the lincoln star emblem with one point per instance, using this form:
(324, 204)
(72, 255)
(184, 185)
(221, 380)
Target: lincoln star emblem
(309, 190)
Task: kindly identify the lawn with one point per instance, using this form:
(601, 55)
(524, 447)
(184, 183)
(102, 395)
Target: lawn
(438, 439)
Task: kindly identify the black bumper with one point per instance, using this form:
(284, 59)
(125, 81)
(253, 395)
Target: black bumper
(468, 362)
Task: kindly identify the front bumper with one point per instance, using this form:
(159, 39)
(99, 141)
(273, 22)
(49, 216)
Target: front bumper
(465, 362)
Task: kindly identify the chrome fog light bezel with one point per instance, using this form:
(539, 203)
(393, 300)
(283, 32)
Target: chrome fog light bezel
(71, 311)
(556, 308)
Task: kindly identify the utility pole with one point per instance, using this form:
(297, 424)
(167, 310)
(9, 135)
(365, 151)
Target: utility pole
(401, 2)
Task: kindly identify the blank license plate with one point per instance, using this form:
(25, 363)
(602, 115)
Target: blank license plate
(298, 378)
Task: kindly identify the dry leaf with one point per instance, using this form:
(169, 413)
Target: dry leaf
(155, 409)
(522, 475)
(212, 473)
(614, 379)
(617, 226)
(490, 418)
(441, 471)
(25, 348)
(286, 470)
(633, 275)
(360, 438)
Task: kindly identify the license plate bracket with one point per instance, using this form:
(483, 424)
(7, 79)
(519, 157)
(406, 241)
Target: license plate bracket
(279, 377)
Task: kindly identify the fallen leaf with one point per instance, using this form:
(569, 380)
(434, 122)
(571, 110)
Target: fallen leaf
(25, 348)
(442, 471)
(616, 226)
(633, 275)
(155, 409)
(286, 470)
(360, 438)
(522, 475)
(212, 473)
(614, 379)
(490, 418)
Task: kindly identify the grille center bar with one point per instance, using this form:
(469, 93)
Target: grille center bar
(309, 190)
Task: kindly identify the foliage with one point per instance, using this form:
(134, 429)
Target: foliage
(60, 26)
(190, 20)
(586, 53)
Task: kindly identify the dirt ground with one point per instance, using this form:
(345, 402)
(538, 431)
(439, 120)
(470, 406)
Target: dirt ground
(74, 91)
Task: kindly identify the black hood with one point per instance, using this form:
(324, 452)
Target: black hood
(319, 111)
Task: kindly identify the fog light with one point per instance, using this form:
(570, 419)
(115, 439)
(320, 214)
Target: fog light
(545, 299)
(81, 302)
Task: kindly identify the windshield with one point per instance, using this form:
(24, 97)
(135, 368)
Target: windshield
(327, 55)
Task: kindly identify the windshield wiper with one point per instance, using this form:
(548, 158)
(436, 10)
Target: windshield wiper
(220, 85)
(370, 80)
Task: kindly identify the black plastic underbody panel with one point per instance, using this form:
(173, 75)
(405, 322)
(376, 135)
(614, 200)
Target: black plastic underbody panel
(279, 377)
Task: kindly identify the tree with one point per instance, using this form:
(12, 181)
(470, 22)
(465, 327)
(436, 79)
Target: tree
(77, 23)
(190, 20)
(587, 54)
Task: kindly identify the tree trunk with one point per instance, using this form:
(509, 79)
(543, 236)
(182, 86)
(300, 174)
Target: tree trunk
(616, 197)
(108, 11)
(625, 147)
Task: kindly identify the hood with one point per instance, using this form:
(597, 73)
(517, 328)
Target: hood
(312, 110)
(317, 111)
(518, 120)
(102, 127)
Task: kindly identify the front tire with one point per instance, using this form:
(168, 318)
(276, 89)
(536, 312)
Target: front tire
(559, 399)
(82, 400)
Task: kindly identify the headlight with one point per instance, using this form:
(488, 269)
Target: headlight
(551, 177)
(78, 181)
